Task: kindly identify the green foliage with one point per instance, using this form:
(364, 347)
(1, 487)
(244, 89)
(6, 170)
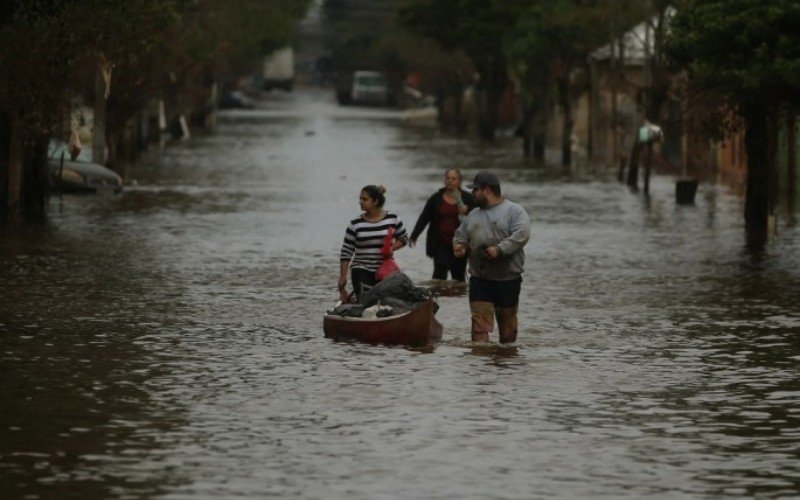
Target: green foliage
(45, 46)
(362, 35)
(552, 37)
(477, 27)
(748, 50)
(556, 34)
(233, 31)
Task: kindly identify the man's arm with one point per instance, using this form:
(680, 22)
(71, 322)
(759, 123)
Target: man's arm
(520, 232)
(461, 239)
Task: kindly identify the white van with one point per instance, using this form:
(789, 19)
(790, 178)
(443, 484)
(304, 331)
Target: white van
(370, 87)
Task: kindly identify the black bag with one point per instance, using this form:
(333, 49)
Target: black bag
(397, 291)
(348, 310)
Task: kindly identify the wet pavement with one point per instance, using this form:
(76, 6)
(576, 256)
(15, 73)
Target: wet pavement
(167, 342)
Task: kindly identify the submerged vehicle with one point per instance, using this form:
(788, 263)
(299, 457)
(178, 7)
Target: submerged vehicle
(236, 99)
(78, 176)
(73, 174)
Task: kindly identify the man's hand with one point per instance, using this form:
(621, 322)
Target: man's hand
(459, 249)
(412, 243)
(491, 253)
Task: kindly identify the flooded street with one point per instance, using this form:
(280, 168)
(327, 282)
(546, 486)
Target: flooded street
(167, 342)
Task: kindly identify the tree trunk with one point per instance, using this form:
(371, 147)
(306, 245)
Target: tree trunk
(566, 133)
(615, 154)
(541, 111)
(621, 169)
(648, 165)
(633, 166)
(14, 186)
(791, 163)
(527, 130)
(539, 124)
(5, 146)
(36, 183)
(539, 147)
(99, 124)
(113, 139)
(773, 179)
(757, 206)
(591, 118)
(459, 121)
(494, 84)
(487, 116)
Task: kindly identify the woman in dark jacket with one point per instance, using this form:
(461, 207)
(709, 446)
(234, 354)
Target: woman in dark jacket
(442, 214)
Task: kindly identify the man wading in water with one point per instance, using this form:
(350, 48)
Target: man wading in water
(495, 234)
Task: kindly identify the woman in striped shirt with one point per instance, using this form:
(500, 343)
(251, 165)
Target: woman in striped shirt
(361, 250)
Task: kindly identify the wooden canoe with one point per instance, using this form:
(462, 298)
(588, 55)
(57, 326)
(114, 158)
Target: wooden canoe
(415, 327)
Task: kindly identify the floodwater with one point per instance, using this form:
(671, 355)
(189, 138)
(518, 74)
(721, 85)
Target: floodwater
(167, 342)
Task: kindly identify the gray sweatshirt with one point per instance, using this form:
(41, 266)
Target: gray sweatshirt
(505, 225)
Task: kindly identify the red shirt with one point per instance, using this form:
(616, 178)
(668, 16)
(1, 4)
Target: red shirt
(448, 222)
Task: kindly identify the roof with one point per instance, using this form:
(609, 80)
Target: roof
(638, 43)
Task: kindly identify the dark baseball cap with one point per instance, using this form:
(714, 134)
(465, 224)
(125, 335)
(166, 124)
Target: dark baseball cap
(483, 179)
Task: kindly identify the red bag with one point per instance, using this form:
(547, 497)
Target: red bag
(386, 250)
(389, 266)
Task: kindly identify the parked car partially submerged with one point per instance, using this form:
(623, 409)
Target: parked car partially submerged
(76, 176)
(236, 99)
(79, 175)
(370, 87)
(364, 87)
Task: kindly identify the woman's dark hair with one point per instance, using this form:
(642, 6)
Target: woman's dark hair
(376, 193)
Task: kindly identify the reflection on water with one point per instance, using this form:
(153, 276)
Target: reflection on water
(168, 341)
(500, 355)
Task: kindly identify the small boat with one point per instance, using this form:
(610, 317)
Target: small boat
(415, 327)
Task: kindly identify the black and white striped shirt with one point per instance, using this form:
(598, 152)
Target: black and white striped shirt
(363, 240)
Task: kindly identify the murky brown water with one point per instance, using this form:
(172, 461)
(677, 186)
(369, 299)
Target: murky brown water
(168, 342)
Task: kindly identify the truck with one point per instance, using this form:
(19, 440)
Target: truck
(279, 69)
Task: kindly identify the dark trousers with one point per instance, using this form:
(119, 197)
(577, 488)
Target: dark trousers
(445, 261)
(489, 299)
(359, 276)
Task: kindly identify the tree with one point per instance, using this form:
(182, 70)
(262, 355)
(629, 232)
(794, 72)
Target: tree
(186, 50)
(527, 50)
(37, 56)
(366, 34)
(123, 46)
(141, 47)
(549, 44)
(477, 28)
(748, 53)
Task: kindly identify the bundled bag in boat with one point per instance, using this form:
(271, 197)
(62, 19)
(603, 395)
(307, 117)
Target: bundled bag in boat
(348, 310)
(396, 291)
